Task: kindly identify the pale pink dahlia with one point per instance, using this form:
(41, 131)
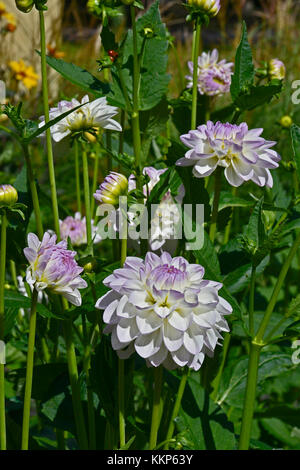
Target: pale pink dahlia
(163, 309)
(75, 229)
(242, 152)
(53, 267)
(214, 78)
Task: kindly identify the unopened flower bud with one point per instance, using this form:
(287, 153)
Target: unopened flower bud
(25, 5)
(113, 186)
(207, 7)
(286, 121)
(276, 69)
(8, 195)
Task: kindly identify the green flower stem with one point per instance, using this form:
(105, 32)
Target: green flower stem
(108, 146)
(176, 408)
(156, 408)
(95, 182)
(135, 120)
(214, 217)
(121, 378)
(86, 187)
(75, 387)
(249, 401)
(77, 176)
(33, 190)
(251, 300)
(2, 378)
(217, 380)
(256, 345)
(121, 399)
(196, 47)
(121, 134)
(90, 398)
(229, 225)
(277, 288)
(48, 133)
(29, 371)
(13, 272)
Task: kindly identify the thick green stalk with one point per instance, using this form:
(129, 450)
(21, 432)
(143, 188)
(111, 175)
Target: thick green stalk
(29, 371)
(77, 176)
(95, 181)
(277, 288)
(121, 379)
(121, 399)
(90, 398)
(86, 187)
(196, 47)
(2, 376)
(75, 387)
(176, 407)
(135, 119)
(249, 401)
(34, 194)
(217, 379)
(48, 133)
(256, 346)
(251, 300)
(214, 216)
(228, 226)
(156, 408)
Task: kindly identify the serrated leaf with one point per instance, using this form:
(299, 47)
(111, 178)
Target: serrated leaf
(244, 71)
(79, 76)
(257, 96)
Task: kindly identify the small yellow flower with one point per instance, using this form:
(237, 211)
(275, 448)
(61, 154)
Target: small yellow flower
(24, 73)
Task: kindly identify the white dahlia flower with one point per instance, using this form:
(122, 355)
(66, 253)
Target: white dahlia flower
(163, 309)
(242, 152)
(90, 116)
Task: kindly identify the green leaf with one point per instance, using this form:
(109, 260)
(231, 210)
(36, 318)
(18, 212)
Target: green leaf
(78, 76)
(108, 39)
(153, 77)
(295, 135)
(281, 431)
(239, 278)
(15, 300)
(257, 96)
(244, 71)
(233, 383)
(230, 200)
(254, 233)
(202, 423)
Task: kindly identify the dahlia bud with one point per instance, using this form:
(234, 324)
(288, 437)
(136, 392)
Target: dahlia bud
(8, 195)
(206, 7)
(113, 186)
(276, 69)
(286, 121)
(25, 5)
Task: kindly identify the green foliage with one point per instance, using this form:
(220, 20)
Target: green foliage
(243, 75)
